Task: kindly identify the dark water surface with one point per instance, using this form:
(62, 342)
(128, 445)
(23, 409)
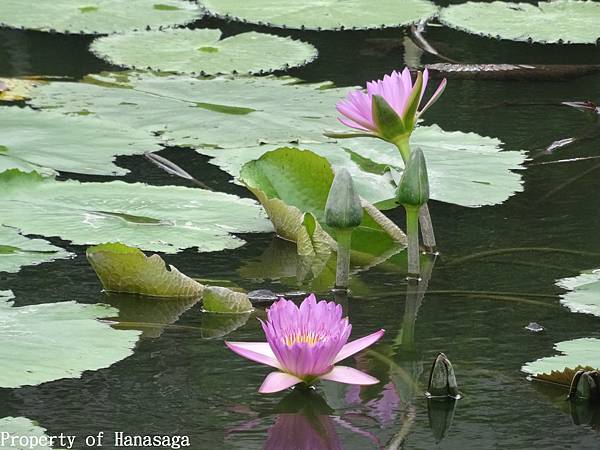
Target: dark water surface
(178, 382)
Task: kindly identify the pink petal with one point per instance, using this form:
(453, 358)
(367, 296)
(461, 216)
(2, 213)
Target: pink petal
(278, 381)
(359, 344)
(435, 96)
(255, 351)
(348, 375)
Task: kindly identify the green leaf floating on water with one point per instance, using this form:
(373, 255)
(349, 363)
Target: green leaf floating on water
(96, 16)
(578, 353)
(464, 168)
(51, 341)
(22, 426)
(216, 299)
(584, 292)
(17, 251)
(568, 21)
(165, 218)
(324, 14)
(69, 144)
(202, 51)
(125, 269)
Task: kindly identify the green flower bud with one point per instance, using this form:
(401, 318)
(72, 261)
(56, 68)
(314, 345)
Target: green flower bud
(389, 124)
(442, 381)
(343, 209)
(413, 189)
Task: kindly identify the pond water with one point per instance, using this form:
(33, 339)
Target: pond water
(479, 299)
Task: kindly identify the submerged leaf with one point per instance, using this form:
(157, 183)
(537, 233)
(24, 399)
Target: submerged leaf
(576, 354)
(324, 14)
(121, 268)
(165, 218)
(557, 21)
(17, 251)
(47, 342)
(584, 292)
(217, 299)
(201, 50)
(96, 16)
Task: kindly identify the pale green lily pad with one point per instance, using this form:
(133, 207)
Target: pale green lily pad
(96, 16)
(233, 112)
(464, 168)
(165, 218)
(577, 353)
(125, 269)
(568, 21)
(584, 292)
(216, 299)
(202, 51)
(22, 426)
(17, 251)
(51, 341)
(68, 144)
(324, 14)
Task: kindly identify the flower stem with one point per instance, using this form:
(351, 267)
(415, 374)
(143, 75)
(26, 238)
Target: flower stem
(402, 143)
(384, 222)
(344, 239)
(412, 230)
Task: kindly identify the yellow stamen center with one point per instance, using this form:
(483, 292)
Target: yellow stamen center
(304, 338)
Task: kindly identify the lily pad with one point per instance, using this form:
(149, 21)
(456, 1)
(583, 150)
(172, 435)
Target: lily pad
(166, 218)
(125, 269)
(17, 251)
(558, 21)
(324, 14)
(202, 51)
(216, 299)
(22, 426)
(575, 354)
(69, 144)
(16, 89)
(584, 292)
(48, 342)
(96, 16)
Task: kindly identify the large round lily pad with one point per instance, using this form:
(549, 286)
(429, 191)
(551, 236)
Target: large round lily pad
(202, 51)
(69, 144)
(47, 342)
(568, 21)
(96, 16)
(324, 14)
(583, 292)
(17, 251)
(22, 426)
(165, 218)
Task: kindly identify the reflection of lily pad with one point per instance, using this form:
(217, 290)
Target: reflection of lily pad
(17, 251)
(96, 16)
(324, 14)
(575, 354)
(22, 426)
(584, 295)
(569, 21)
(59, 340)
(219, 325)
(202, 51)
(166, 218)
(126, 269)
(69, 144)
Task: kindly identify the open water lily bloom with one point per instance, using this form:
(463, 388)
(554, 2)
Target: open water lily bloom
(304, 344)
(397, 89)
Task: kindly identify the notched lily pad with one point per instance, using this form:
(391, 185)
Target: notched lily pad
(17, 251)
(96, 16)
(324, 14)
(584, 292)
(201, 51)
(557, 21)
(22, 426)
(48, 342)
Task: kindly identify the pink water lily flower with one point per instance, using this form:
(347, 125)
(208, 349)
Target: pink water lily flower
(304, 344)
(396, 89)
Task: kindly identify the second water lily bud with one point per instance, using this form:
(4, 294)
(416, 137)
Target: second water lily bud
(442, 381)
(413, 189)
(343, 210)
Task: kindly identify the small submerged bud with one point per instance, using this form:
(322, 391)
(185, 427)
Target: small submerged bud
(413, 189)
(343, 210)
(442, 381)
(441, 415)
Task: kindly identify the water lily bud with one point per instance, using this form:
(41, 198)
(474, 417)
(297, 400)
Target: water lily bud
(389, 124)
(442, 381)
(585, 386)
(343, 209)
(413, 189)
